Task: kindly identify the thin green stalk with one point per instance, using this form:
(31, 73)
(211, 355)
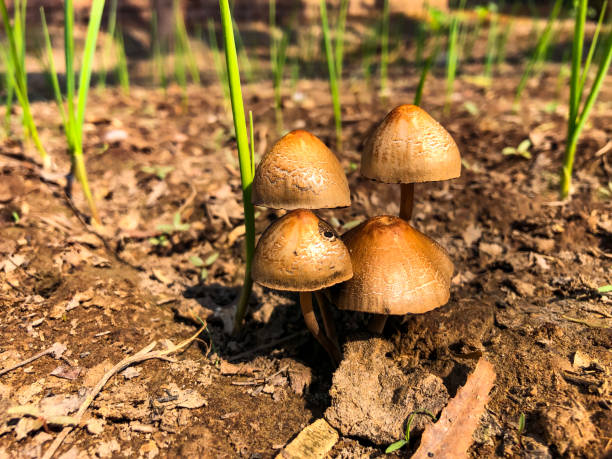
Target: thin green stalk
(108, 43)
(218, 61)
(577, 118)
(491, 42)
(15, 57)
(452, 58)
(188, 60)
(539, 52)
(10, 92)
(244, 156)
(333, 80)
(384, 49)
(424, 72)
(123, 73)
(339, 37)
(587, 64)
(159, 70)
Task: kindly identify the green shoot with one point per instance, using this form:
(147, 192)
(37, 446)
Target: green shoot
(108, 43)
(244, 156)
(15, 69)
(452, 58)
(404, 441)
(539, 52)
(339, 37)
(10, 92)
(183, 46)
(204, 264)
(577, 117)
(491, 42)
(218, 61)
(503, 41)
(159, 64)
(123, 74)
(604, 289)
(521, 150)
(333, 80)
(73, 117)
(176, 226)
(521, 429)
(15, 216)
(278, 55)
(424, 72)
(384, 50)
(159, 171)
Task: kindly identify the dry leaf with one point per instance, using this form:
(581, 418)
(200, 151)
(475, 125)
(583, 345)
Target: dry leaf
(451, 436)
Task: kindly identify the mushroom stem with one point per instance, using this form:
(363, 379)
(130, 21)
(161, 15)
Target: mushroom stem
(377, 322)
(313, 326)
(328, 319)
(406, 201)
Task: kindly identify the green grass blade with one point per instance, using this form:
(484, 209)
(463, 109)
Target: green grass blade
(577, 44)
(70, 80)
(424, 72)
(539, 52)
(52, 70)
(384, 49)
(244, 157)
(123, 73)
(578, 125)
(95, 16)
(587, 63)
(333, 81)
(252, 143)
(339, 39)
(219, 67)
(108, 44)
(452, 58)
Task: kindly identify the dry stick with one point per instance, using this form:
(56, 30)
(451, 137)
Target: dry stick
(145, 353)
(328, 319)
(56, 350)
(313, 326)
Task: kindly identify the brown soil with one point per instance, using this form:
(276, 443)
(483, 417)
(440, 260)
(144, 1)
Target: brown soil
(524, 294)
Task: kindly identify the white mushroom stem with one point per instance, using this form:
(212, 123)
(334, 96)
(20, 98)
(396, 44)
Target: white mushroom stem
(406, 201)
(377, 323)
(328, 319)
(313, 326)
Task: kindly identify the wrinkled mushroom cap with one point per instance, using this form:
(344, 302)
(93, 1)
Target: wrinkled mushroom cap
(409, 146)
(397, 269)
(300, 172)
(300, 252)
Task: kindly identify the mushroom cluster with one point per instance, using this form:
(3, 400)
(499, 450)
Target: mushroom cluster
(383, 266)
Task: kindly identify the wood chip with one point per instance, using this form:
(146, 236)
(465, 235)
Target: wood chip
(315, 441)
(451, 436)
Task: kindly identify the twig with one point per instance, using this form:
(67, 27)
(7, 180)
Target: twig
(145, 353)
(57, 349)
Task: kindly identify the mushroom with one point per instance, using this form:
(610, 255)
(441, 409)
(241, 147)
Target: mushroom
(396, 270)
(300, 172)
(410, 147)
(302, 253)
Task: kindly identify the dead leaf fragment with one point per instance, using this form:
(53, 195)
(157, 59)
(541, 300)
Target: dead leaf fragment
(315, 441)
(451, 436)
(66, 372)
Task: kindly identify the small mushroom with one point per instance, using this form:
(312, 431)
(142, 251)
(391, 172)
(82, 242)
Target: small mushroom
(300, 172)
(302, 253)
(410, 147)
(397, 270)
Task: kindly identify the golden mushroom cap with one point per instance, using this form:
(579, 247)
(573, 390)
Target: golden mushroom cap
(409, 146)
(300, 172)
(397, 269)
(300, 252)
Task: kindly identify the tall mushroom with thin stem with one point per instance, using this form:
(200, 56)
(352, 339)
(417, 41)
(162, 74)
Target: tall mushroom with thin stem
(300, 172)
(410, 147)
(396, 270)
(302, 253)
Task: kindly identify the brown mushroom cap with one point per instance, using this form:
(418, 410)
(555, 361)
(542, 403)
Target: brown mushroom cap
(397, 269)
(300, 252)
(409, 146)
(300, 172)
